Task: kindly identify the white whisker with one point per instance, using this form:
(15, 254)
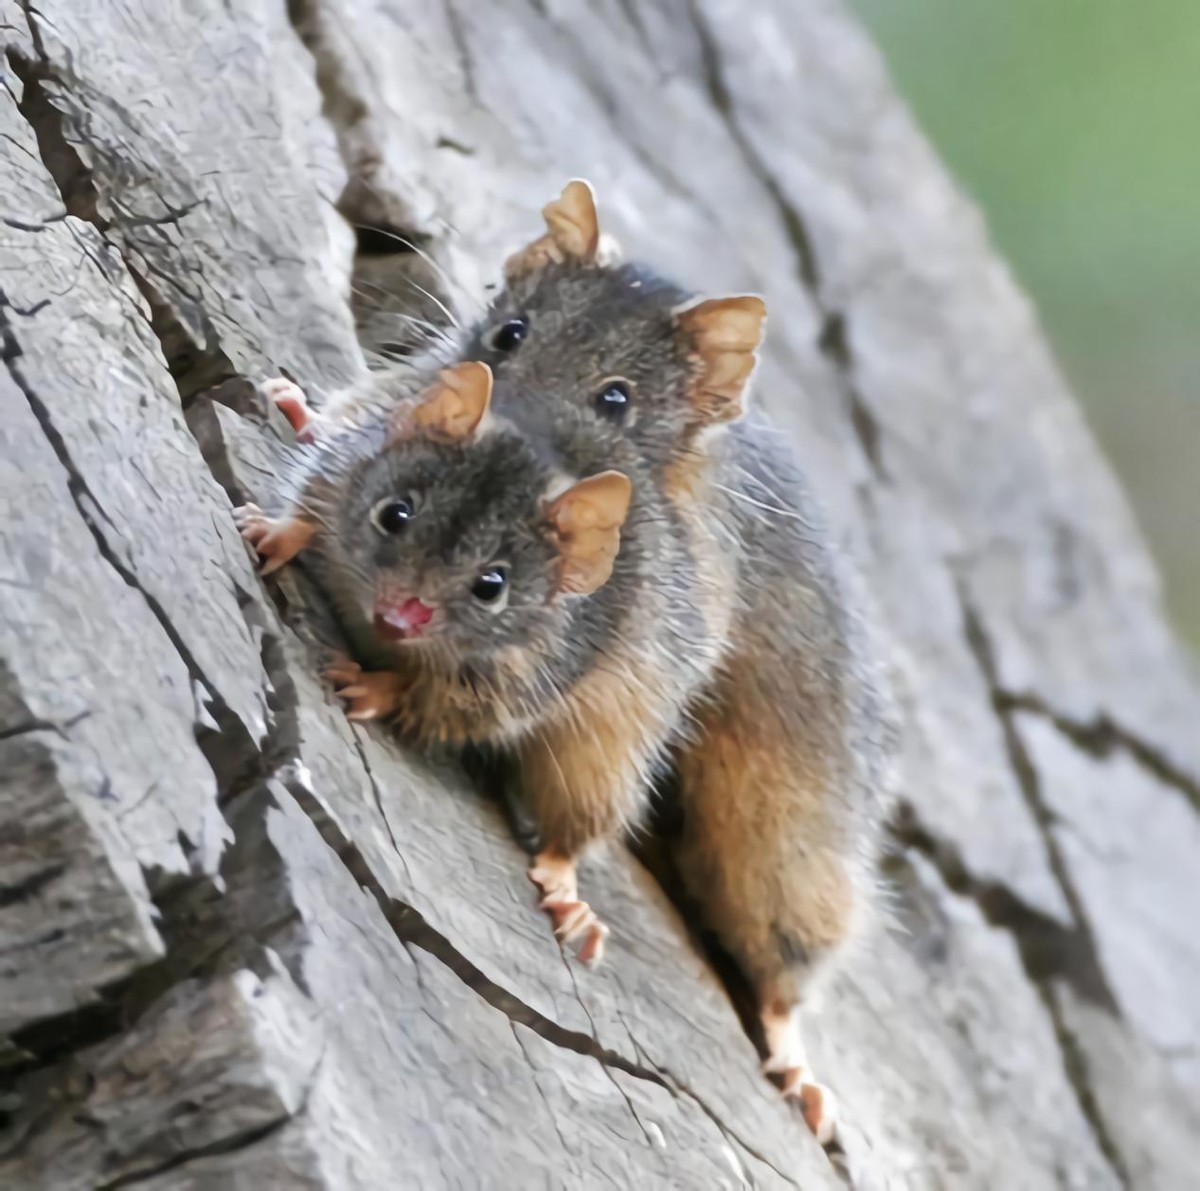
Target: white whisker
(758, 504)
(419, 251)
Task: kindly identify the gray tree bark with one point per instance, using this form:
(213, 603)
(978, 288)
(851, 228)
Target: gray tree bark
(243, 943)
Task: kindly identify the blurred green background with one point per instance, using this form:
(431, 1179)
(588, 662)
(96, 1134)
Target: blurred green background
(1076, 126)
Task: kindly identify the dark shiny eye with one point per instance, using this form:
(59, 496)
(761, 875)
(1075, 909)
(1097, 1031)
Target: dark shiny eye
(490, 585)
(613, 400)
(391, 516)
(508, 336)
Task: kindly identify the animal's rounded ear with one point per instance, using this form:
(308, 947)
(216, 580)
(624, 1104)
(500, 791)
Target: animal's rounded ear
(451, 409)
(723, 336)
(584, 523)
(572, 233)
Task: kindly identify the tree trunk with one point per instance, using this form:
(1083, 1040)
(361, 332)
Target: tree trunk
(246, 944)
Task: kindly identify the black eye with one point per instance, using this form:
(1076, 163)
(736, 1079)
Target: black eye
(491, 585)
(612, 401)
(508, 336)
(392, 515)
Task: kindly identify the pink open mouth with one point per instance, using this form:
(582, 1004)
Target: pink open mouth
(402, 622)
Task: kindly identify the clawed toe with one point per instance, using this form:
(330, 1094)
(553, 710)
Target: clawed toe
(253, 525)
(288, 397)
(816, 1102)
(576, 924)
(591, 950)
(570, 919)
(368, 696)
(342, 671)
(276, 541)
(248, 517)
(253, 532)
(787, 1065)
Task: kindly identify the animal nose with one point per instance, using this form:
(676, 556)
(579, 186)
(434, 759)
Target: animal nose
(399, 621)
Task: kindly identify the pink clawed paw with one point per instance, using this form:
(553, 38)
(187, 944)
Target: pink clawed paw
(575, 922)
(815, 1100)
(275, 541)
(787, 1064)
(288, 397)
(368, 695)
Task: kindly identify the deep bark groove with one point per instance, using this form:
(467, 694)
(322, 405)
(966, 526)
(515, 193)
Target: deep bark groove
(1081, 959)
(834, 338)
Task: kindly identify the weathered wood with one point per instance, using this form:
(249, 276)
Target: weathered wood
(243, 943)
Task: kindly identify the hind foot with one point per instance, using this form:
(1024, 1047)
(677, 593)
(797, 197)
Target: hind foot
(787, 1065)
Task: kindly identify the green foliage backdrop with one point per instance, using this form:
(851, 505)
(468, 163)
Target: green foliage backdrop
(1074, 124)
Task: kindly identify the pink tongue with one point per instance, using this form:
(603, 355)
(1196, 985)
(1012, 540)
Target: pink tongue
(402, 620)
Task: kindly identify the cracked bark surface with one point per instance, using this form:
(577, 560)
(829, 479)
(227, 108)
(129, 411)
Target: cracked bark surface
(245, 943)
